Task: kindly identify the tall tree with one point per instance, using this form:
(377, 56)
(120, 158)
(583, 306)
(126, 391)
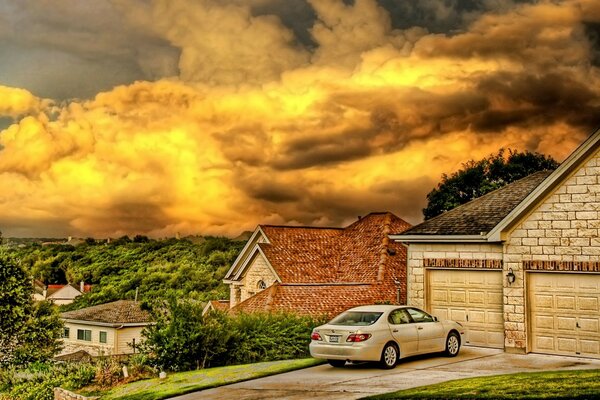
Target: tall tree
(477, 178)
(28, 332)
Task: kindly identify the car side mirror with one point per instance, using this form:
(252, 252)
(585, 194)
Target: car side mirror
(435, 319)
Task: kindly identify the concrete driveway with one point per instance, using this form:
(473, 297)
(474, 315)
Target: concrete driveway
(355, 381)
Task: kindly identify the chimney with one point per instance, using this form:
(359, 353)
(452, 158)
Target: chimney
(81, 286)
(383, 253)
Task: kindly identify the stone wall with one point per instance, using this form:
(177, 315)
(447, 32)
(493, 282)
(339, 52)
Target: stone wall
(419, 252)
(257, 270)
(563, 229)
(63, 394)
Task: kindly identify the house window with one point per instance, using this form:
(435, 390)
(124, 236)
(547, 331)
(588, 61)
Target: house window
(102, 337)
(84, 334)
(261, 285)
(66, 332)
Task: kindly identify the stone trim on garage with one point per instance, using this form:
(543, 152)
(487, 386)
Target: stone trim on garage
(462, 263)
(565, 266)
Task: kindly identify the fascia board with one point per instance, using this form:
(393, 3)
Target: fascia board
(438, 238)
(242, 255)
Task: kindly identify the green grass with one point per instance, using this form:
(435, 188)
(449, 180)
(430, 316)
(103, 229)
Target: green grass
(580, 384)
(191, 381)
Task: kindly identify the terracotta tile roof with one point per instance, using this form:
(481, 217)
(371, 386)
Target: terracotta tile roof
(317, 300)
(359, 253)
(117, 312)
(481, 214)
(220, 305)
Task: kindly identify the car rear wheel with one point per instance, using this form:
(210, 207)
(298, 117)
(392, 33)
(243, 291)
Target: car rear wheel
(337, 363)
(452, 344)
(389, 356)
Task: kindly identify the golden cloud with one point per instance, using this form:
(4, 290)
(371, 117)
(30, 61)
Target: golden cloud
(257, 129)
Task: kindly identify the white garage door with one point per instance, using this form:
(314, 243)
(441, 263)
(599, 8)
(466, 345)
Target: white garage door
(473, 298)
(564, 313)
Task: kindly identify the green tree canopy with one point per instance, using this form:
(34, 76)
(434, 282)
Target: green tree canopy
(477, 178)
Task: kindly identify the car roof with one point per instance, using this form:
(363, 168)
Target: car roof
(377, 307)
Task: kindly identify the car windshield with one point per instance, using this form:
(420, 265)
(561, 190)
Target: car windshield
(356, 318)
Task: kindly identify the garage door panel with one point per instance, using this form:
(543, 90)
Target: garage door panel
(474, 298)
(588, 303)
(565, 313)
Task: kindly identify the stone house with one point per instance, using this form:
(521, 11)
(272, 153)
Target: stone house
(316, 271)
(106, 329)
(520, 266)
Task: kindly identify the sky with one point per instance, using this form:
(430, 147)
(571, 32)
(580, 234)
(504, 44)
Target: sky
(159, 117)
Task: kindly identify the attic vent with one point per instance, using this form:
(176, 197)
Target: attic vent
(261, 285)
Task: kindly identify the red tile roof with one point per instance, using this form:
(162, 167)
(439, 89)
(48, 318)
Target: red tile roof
(352, 254)
(327, 270)
(316, 299)
(220, 305)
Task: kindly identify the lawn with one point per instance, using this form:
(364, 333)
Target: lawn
(191, 381)
(580, 384)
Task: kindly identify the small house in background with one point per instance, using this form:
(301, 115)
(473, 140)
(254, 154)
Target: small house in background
(320, 271)
(106, 329)
(66, 294)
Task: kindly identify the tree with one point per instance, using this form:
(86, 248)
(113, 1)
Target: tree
(28, 331)
(477, 178)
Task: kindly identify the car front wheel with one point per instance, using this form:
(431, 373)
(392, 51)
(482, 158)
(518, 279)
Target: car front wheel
(389, 356)
(337, 363)
(452, 344)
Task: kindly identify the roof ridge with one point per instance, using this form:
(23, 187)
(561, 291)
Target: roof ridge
(300, 226)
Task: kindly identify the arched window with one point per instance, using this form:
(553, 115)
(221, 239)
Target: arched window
(261, 285)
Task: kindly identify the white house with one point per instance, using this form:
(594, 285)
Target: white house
(106, 329)
(520, 266)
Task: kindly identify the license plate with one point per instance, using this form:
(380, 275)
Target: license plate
(334, 339)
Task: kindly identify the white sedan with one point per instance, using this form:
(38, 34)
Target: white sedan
(384, 333)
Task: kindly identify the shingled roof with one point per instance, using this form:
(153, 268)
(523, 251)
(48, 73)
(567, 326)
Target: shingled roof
(481, 215)
(319, 300)
(116, 313)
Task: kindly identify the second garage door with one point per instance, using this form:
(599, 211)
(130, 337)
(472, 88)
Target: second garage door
(565, 313)
(471, 297)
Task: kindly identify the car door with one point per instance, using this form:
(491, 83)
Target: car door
(431, 333)
(404, 332)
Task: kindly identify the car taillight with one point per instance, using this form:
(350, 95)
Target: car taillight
(315, 336)
(358, 337)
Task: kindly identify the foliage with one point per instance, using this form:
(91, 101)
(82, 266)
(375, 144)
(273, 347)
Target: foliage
(183, 339)
(28, 332)
(583, 384)
(185, 382)
(39, 340)
(15, 306)
(477, 178)
(156, 267)
(38, 380)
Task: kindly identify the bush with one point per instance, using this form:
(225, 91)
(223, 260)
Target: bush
(183, 339)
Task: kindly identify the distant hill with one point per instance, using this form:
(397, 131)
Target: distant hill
(243, 237)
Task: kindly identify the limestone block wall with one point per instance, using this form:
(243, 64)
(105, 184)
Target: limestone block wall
(257, 270)
(63, 394)
(93, 347)
(564, 227)
(418, 252)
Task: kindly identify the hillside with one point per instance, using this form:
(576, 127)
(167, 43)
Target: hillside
(156, 267)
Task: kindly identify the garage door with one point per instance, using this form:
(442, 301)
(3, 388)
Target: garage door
(564, 313)
(473, 298)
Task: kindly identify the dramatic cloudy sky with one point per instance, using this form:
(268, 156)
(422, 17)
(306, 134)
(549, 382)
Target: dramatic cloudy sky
(210, 116)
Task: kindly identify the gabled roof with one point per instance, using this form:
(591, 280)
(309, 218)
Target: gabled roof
(479, 216)
(489, 217)
(121, 312)
(315, 299)
(359, 253)
(218, 305)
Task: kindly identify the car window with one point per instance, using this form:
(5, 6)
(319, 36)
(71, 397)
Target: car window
(356, 318)
(419, 316)
(399, 316)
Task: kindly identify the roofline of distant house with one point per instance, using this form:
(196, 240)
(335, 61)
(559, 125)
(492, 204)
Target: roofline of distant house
(439, 238)
(117, 325)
